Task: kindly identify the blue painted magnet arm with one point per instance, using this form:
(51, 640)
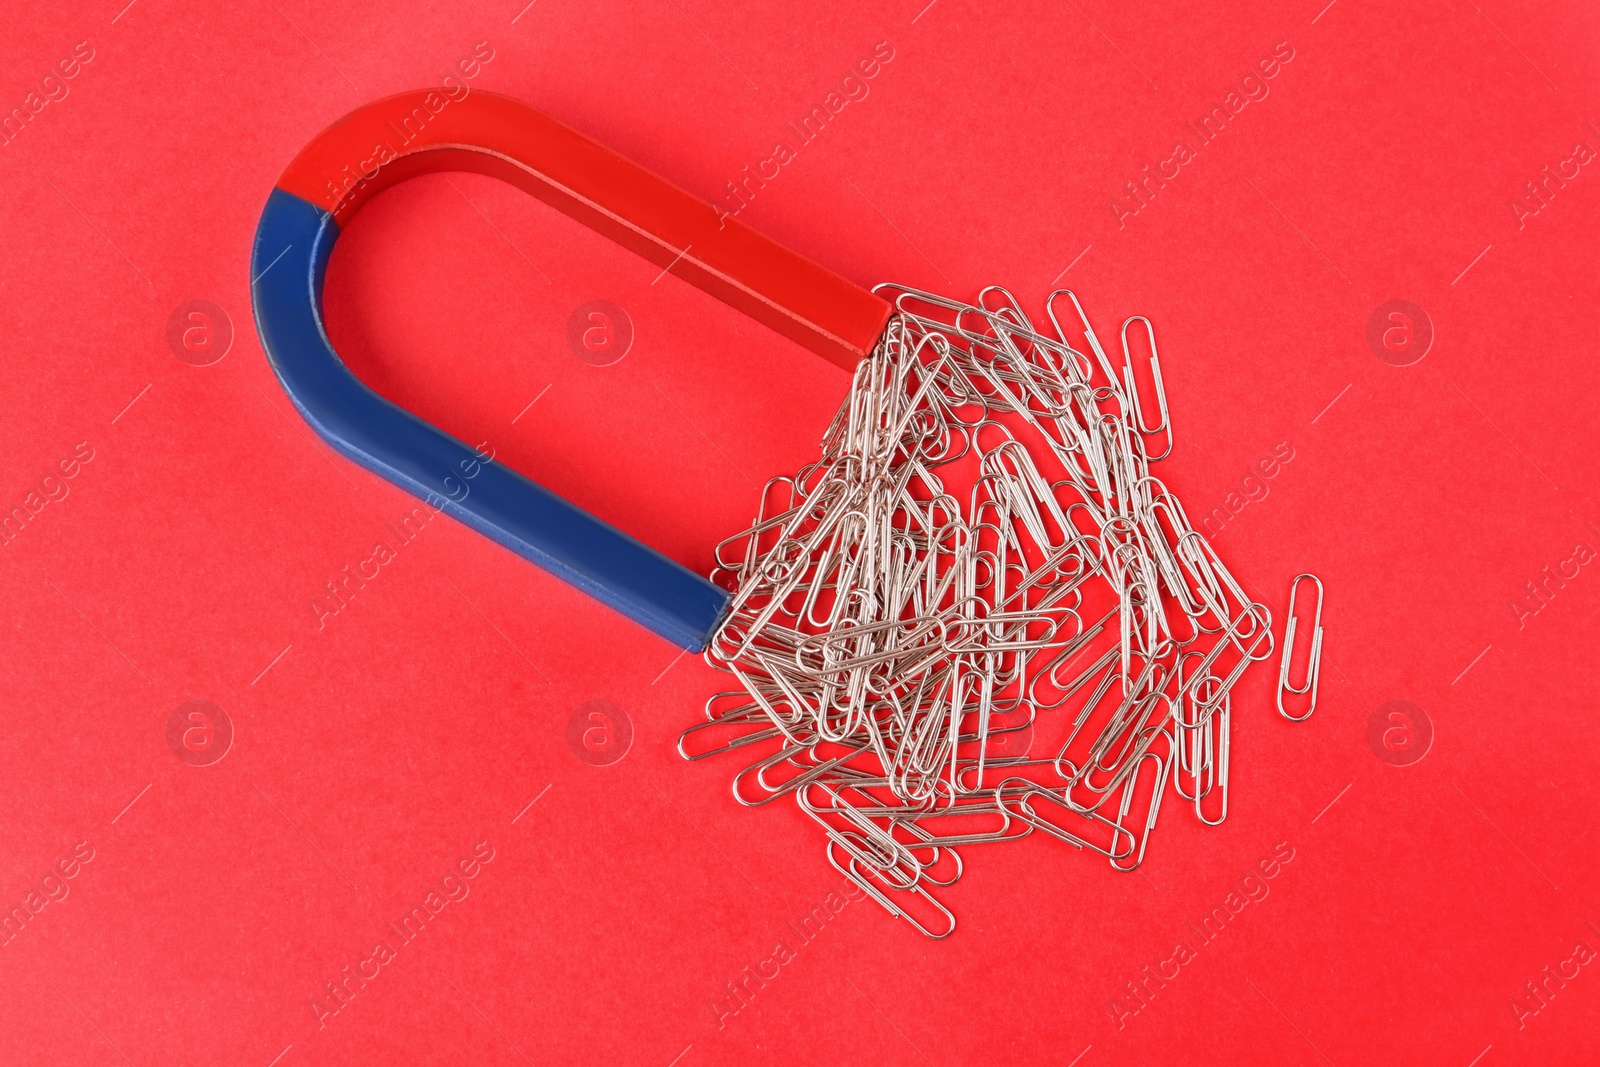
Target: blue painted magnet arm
(293, 243)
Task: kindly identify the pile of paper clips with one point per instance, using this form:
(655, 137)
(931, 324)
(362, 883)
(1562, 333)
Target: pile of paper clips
(896, 645)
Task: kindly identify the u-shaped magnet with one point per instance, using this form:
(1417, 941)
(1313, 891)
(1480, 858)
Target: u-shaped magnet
(425, 131)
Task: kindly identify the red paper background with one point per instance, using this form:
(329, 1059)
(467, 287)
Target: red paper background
(372, 754)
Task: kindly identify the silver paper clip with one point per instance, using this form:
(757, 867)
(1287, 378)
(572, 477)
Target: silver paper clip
(1313, 664)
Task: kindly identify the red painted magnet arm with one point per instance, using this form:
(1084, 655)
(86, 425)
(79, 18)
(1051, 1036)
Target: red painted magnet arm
(392, 139)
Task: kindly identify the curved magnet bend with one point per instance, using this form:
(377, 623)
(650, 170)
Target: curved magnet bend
(429, 130)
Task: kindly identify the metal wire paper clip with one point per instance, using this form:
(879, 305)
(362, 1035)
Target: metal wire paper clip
(1313, 665)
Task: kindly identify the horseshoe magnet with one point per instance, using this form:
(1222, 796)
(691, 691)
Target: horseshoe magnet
(425, 131)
